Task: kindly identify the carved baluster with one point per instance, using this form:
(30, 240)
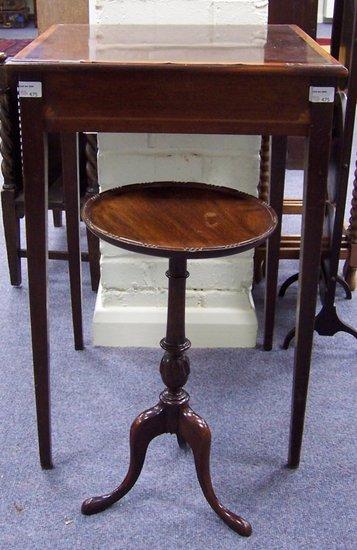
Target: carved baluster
(263, 194)
(11, 171)
(350, 268)
(91, 151)
(91, 169)
(264, 180)
(175, 365)
(6, 141)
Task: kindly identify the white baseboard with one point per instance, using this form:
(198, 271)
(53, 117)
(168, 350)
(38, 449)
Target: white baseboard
(211, 327)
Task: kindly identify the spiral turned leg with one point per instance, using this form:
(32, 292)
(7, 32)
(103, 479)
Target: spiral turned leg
(11, 169)
(91, 170)
(350, 268)
(144, 429)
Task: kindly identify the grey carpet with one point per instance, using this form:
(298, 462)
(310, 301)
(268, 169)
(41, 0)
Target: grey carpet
(27, 32)
(243, 394)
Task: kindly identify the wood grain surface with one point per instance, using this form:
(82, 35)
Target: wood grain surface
(165, 218)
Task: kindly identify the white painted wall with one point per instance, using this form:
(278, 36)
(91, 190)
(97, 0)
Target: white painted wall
(320, 11)
(328, 8)
(178, 11)
(131, 305)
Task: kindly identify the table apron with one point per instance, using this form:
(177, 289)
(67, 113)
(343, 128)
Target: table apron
(189, 102)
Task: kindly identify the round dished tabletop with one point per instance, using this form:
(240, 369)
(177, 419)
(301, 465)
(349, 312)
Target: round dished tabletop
(196, 220)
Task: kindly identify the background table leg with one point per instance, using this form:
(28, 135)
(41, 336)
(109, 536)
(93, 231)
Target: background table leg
(276, 198)
(315, 190)
(70, 177)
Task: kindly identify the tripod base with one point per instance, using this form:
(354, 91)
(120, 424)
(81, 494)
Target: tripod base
(171, 415)
(294, 278)
(327, 323)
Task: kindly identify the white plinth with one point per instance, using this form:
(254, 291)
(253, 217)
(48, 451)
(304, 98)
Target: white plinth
(210, 327)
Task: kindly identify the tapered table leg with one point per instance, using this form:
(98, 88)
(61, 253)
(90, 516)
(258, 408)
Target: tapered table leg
(315, 186)
(36, 202)
(70, 177)
(276, 198)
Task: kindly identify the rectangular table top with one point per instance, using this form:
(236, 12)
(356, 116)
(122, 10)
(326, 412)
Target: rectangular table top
(245, 48)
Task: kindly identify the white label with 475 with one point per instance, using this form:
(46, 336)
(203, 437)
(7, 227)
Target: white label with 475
(319, 94)
(30, 89)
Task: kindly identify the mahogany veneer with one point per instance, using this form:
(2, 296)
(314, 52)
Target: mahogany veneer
(166, 218)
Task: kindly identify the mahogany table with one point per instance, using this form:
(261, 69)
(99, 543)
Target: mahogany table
(211, 221)
(176, 79)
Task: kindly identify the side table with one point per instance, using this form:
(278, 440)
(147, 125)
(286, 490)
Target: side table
(176, 79)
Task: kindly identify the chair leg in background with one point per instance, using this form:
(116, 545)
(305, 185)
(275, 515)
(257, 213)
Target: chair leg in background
(12, 235)
(94, 259)
(57, 217)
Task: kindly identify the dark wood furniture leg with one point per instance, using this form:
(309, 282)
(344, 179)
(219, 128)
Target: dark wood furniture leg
(36, 199)
(91, 169)
(264, 175)
(294, 278)
(263, 194)
(12, 233)
(276, 198)
(57, 218)
(328, 322)
(350, 267)
(172, 414)
(70, 177)
(94, 259)
(11, 171)
(315, 192)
